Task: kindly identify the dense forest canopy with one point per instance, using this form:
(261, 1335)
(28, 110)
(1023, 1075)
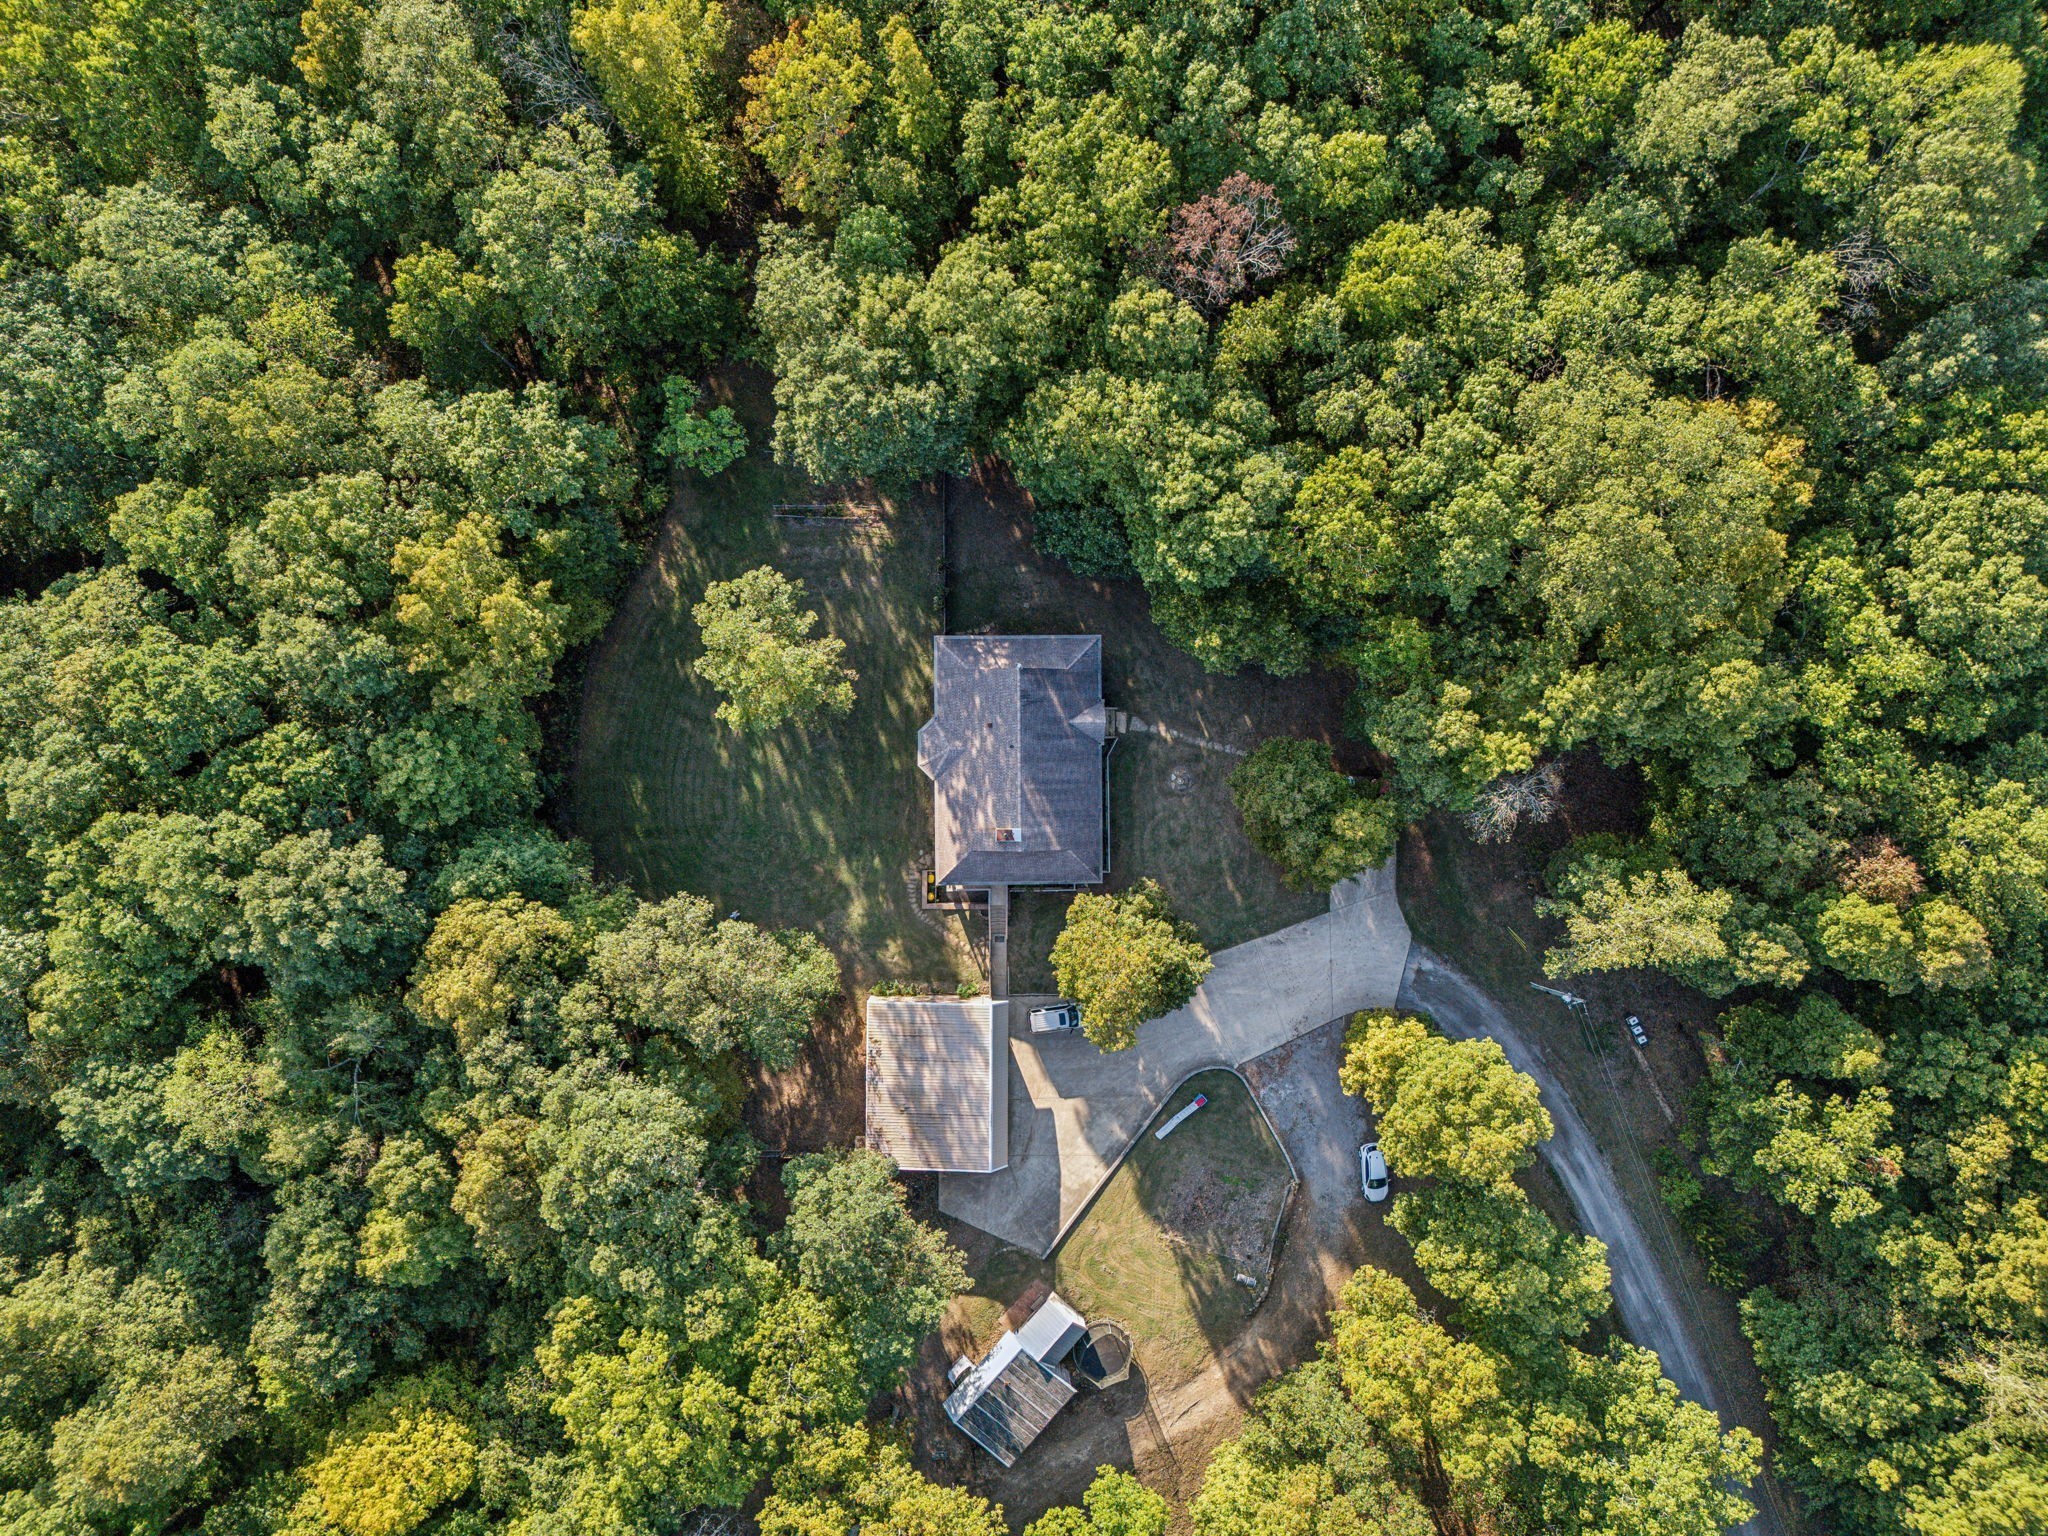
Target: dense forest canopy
(1668, 381)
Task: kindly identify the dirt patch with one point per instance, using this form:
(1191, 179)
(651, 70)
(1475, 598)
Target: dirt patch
(1207, 1212)
(820, 1100)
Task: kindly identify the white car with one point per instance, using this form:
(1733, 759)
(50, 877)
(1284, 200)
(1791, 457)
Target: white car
(1372, 1172)
(1056, 1020)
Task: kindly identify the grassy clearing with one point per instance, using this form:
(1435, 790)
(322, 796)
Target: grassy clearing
(822, 828)
(1160, 1249)
(1183, 832)
(815, 828)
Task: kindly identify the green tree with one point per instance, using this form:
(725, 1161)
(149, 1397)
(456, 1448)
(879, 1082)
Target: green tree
(655, 1436)
(1116, 1504)
(720, 986)
(485, 961)
(848, 1477)
(806, 88)
(498, 1194)
(1660, 919)
(410, 1235)
(1954, 194)
(759, 654)
(399, 1456)
(1520, 1281)
(471, 621)
(1590, 82)
(709, 443)
(221, 1097)
(1932, 943)
(1451, 1109)
(855, 390)
(571, 245)
(627, 1186)
(1126, 958)
(1430, 1396)
(852, 1240)
(806, 1376)
(1637, 1445)
(659, 64)
(60, 463)
(317, 915)
(1307, 817)
(1825, 1158)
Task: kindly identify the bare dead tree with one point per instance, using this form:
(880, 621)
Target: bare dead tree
(541, 61)
(1512, 799)
(712, 1522)
(1223, 242)
(1867, 269)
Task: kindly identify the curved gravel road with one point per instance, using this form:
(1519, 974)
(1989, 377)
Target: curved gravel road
(1650, 1305)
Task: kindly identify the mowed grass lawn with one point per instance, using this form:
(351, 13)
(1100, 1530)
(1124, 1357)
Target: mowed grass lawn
(1160, 1249)
(815, 828)
(1185, 834)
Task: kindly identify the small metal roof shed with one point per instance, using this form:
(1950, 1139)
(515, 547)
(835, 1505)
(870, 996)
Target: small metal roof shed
(1053, 1329)
(1006, 1401)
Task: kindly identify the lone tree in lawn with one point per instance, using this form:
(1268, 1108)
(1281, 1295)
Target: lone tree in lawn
(1308, 818)
(1126, 959)
(759, 654)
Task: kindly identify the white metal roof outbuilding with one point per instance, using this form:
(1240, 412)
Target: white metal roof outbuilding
(1006, 1401)
(938, 1083)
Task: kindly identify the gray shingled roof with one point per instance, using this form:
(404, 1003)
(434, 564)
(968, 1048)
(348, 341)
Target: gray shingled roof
(1014, 751)
(938, 1080)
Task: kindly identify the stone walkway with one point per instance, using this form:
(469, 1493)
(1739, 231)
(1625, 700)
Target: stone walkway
(1074, 1111)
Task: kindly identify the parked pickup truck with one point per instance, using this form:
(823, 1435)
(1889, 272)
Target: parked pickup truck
(1056, 1020)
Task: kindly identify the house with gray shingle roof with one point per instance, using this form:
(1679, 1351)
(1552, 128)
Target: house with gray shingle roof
(1016, 752)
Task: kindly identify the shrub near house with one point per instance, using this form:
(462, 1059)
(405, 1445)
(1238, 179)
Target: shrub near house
(1308, 818)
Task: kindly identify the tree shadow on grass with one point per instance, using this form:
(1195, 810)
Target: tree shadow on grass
(1161, 1247)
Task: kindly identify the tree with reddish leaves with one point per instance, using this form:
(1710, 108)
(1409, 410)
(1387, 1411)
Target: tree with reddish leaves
(1220, 244)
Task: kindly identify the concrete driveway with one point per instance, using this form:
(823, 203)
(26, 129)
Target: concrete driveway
(1074, 1110)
